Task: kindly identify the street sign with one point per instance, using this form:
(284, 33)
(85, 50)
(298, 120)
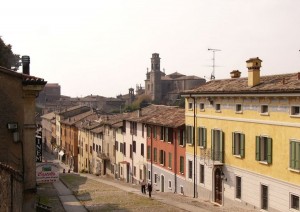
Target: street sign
(39, 146)
(47, 172)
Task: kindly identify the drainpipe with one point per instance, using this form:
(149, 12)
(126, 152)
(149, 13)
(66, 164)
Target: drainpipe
(175, 162)
(194, 140)
(151, 155)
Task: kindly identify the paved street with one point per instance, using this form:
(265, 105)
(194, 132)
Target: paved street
(87, 192)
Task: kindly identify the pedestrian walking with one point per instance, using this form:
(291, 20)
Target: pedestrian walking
(143, 187)
(149, 189)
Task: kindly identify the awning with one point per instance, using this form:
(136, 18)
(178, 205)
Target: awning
(61, 153)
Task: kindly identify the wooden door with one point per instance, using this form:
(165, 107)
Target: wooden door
(218, 186)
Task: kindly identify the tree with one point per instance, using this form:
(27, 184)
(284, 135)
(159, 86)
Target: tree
(7, 58)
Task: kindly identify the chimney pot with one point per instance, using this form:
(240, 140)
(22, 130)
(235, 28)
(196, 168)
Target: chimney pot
(235, 74)
(25, 64)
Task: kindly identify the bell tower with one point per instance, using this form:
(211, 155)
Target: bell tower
(155, 78)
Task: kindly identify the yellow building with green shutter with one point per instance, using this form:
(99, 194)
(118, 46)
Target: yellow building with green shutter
(247, 140)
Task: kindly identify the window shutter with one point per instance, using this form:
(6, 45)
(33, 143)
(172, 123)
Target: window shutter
(212, 145)
(166, 138)
(187, 134)
(292, 154)
(242, 151)
(269, 157)
(193, 135)
(297, 156)
(257, 148)
(198, 136)
(221, 146)
(204, 137)
(233, 137)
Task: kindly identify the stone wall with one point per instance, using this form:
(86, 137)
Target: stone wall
(11, 193)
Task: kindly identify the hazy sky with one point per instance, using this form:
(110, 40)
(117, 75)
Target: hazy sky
(104, 47)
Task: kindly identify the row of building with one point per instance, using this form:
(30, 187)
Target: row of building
(236, 141)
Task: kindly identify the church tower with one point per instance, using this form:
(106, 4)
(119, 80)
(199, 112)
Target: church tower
(155, 78)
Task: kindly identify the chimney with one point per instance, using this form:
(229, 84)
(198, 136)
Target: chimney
(139, 112)
(253, 65)
(25, 64)
(235, 74)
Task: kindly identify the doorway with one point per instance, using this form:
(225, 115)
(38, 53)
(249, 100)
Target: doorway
(218, 186)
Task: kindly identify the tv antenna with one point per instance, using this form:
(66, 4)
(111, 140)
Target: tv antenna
(212, 76)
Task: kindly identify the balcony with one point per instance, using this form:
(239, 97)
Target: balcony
(217, 156)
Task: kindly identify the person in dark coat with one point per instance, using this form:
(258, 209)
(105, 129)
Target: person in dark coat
(143, 187)
(149, 187)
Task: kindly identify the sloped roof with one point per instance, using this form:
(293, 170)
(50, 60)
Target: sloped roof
(26, 79)
(162, 115)
(283, 83)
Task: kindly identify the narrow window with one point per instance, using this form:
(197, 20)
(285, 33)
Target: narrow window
(201, 173)
(134, 171)
(148, 152)
(202, 106)
(238, 108)
(130, 151)
(155, 154)
(238, 187)
(201, 138)
(155, 178)
(134, 146)
(181, 164)
(295, 202)
(218, 107)
(142, 149)
(170, 184)
(264, 197)
(190, 106)
(190, 165)
(170, 160)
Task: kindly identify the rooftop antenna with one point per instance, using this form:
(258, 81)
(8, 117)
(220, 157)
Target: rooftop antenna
(212, 76)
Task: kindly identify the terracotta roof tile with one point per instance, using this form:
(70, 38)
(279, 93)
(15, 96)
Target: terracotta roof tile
(284, 83)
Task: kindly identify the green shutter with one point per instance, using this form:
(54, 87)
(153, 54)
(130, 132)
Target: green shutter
(181, 164)
(233, 137)
(257, 148)
(166, 138)
(204, 137)
(187, 134)
(198, 136)
(297, 155)
(242, 150)
(221, 147)
(269, 157)
(292, 155)
(212, 145)
(193, 135)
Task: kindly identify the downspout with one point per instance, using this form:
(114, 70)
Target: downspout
(194, 139)
(175, 162)
(151, 137)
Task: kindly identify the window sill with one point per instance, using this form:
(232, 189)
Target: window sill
(191, 144)
(237, 199)
(181, 146)
(264, 162)
(264, 114)
(294, 170)
(202, 110)
(238, 112)
(237, 156)
(218, 111)
(170, 168)
(295, 116)
(181, 173)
